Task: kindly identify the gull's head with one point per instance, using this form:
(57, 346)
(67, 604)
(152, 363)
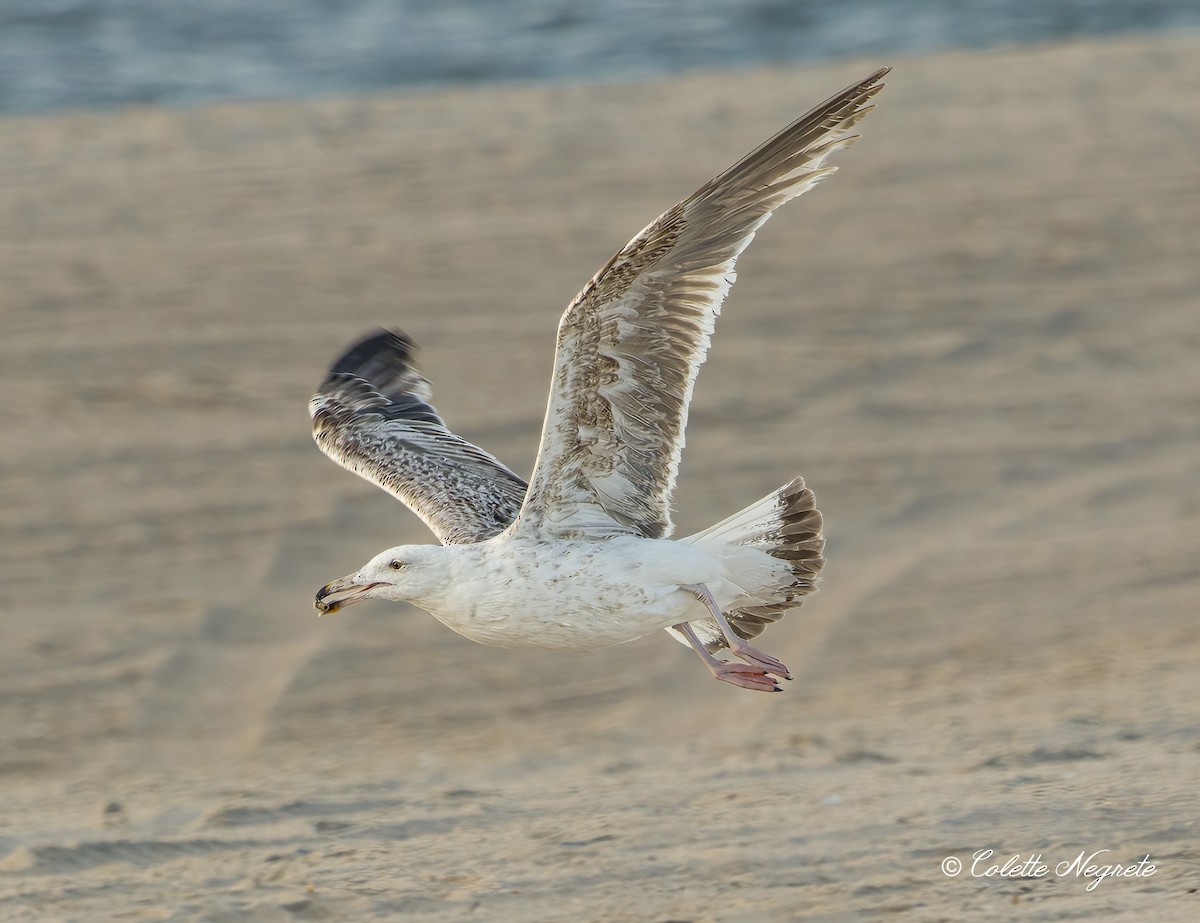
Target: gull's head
(407, 573)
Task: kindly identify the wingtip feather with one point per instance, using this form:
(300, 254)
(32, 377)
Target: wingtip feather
(379, 349)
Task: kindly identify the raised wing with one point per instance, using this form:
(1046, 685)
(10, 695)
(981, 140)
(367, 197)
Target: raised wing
(631, 343)
(372, 415)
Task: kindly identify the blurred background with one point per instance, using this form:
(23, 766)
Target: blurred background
(58, 54)
(977, 342)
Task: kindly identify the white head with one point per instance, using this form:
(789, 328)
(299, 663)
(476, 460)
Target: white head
(407, 573)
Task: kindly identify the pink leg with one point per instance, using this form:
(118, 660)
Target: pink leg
(746, 675)
(737, 645)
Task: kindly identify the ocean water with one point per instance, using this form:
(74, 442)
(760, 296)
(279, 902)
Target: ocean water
(57, 54)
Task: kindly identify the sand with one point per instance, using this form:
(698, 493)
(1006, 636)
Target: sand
(979, 342)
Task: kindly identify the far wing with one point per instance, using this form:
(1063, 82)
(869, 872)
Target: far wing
(372, 415)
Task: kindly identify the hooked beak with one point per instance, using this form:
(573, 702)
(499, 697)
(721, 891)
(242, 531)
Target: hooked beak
(333, 596)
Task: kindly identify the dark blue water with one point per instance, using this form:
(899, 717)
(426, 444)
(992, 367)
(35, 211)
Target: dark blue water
(58, 54)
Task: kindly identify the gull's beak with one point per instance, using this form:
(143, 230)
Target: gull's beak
(343, 592)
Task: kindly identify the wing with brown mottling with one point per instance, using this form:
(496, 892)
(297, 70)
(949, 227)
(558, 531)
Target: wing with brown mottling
(631, 343)
(372, 415)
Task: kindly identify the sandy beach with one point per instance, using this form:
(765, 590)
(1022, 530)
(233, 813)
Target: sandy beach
(979, 342)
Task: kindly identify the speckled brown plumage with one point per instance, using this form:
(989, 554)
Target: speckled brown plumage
(631, 343)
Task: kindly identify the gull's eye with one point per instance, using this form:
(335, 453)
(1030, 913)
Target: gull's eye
(397, 565)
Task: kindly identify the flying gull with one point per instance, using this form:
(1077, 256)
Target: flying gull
(579, 558)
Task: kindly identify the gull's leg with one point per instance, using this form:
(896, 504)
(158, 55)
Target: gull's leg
(737, 645)
(746, 675)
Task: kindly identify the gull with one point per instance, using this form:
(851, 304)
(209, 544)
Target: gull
(579, 558)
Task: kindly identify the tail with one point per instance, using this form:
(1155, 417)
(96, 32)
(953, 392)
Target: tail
(787, 526)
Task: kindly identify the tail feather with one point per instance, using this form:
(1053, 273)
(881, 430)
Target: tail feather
(786, 525)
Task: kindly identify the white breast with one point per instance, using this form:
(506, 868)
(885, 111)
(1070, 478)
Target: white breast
(571, 595)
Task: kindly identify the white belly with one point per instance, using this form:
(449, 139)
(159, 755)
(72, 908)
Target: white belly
(572, 596)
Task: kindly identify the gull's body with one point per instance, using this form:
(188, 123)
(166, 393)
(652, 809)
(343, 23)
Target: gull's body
(579, 558)
(509, 591)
